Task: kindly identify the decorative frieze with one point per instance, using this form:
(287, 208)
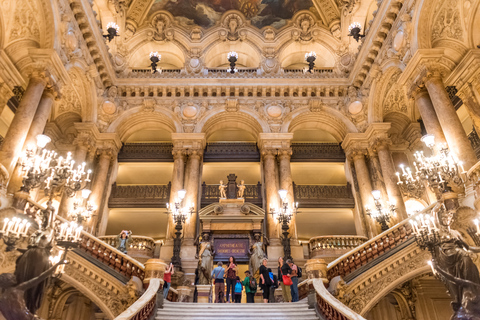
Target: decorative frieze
(146, 152)
(323, 196)
(317, 152)
(139, 196)
(231, 152)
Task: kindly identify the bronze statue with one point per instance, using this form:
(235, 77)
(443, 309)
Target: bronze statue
(13, 300)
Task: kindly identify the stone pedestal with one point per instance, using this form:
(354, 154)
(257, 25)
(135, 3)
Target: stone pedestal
(204, 292)
(238, 201)
(258, 296)
(184, 294)
(316, 269)
(154, 269)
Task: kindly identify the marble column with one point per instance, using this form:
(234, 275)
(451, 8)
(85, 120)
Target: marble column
(378, 181)
(457, 140)
(18, 130)
(271, 192)
(177, 185)
(99, 184)
(192, 187)
(388, 170)
(286, 183)
(429, 117)
(38, 125)
(365, 187)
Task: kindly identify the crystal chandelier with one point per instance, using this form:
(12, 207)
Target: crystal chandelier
(381, 214)
(441, 171)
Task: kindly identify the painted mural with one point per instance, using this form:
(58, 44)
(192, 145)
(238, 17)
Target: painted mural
(206, 13)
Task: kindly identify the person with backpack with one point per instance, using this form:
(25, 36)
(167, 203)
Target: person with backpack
(274, 286)
(217, 275)
(238, 290)
(294, 286)
(265, 282)
(283, 276)
(250, 284)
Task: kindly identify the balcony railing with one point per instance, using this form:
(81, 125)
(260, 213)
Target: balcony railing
(141, 248)
(330, 247)
(320, 196)
(139, 196)
(231, 152)
(211, 194)
(146, 152)
(317, 152)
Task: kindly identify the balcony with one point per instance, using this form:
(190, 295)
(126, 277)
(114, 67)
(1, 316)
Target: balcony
(139, 196)
(231, 152)
(317, 152)
(146, 152)
(322, 196)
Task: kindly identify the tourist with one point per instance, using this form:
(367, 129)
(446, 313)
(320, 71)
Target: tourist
(217, 275)
(250, 285)
(265, 282)
(167, 280)
(294, 287)
(274, 286)
(286, 292)
(124, 240)
(238, 290)
(231, 278)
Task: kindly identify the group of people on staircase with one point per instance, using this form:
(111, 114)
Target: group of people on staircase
(286, 277)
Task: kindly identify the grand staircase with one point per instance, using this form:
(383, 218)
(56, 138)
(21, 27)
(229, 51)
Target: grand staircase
(256, 311)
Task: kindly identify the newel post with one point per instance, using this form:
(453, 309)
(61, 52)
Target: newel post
(155, 269)
(315, 269)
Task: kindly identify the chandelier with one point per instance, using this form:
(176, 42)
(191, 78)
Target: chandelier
(426, 232)
(82, 208)
(232, 57)
(155, 58)
(441, 171)
(310, 57)
(354, 31)
(112, 31)
(381, 214)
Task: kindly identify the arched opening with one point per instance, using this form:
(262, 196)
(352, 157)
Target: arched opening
(172, 57)
(293, 56)
(248, 56)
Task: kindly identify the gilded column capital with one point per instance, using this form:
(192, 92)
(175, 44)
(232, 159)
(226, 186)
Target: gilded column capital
(380, 143)
(84, 139)
(416, 91)
(353, 153)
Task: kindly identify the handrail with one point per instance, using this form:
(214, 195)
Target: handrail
(143, 308)
(336, 242)
(329, 307)
(102, 251)
(373, 248)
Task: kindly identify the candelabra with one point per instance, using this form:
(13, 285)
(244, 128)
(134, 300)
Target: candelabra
(232, 58)
(284, 215)
(310, 57)
(112, 31)
(13, 231)
(354, 31)
(441, 171)
(179, 215)
(426, 232)
(82, 208)
(381, 214)
(155, 58)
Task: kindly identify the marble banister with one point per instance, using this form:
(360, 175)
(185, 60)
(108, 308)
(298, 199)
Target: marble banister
(373, 248)
(145, 306)
(141, 248)
(329, 307)
(333, 246)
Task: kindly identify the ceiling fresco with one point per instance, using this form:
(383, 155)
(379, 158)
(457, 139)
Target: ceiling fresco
(206, 13)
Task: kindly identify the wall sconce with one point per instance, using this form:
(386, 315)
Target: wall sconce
(232, 58)
(310, 57)
(354, 31)
(112, 31)
(155, 58)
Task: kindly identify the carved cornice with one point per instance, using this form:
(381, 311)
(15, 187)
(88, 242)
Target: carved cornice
(190, 141)
(274, 141)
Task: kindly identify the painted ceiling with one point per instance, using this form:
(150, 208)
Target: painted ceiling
(206, 13)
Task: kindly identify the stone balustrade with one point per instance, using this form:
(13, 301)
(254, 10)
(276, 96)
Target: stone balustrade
(331, 247)
(140, 248)
(373, 249)
(144, 307)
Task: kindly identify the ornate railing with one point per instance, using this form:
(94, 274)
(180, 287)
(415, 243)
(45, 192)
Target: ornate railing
(333, 245)
(144, 307)
(329, 307)
(475, 142)
(211, 194)
(317, 152)
(372, 249)
(140, 247)
(320, 196)
(146, 152)
(139, 196)
(231, 151)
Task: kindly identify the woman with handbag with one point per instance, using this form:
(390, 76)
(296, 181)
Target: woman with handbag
(284, 276)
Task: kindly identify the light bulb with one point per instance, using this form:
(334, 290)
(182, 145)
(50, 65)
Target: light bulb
(429, 140)
(376, 194)
(182, 193)
(283, 194)
(86, 193)
(42, 140)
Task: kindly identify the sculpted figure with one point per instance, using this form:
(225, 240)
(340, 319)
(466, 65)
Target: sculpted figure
(223, 190)
(256, 255)
(205, 261)
(241, 189)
